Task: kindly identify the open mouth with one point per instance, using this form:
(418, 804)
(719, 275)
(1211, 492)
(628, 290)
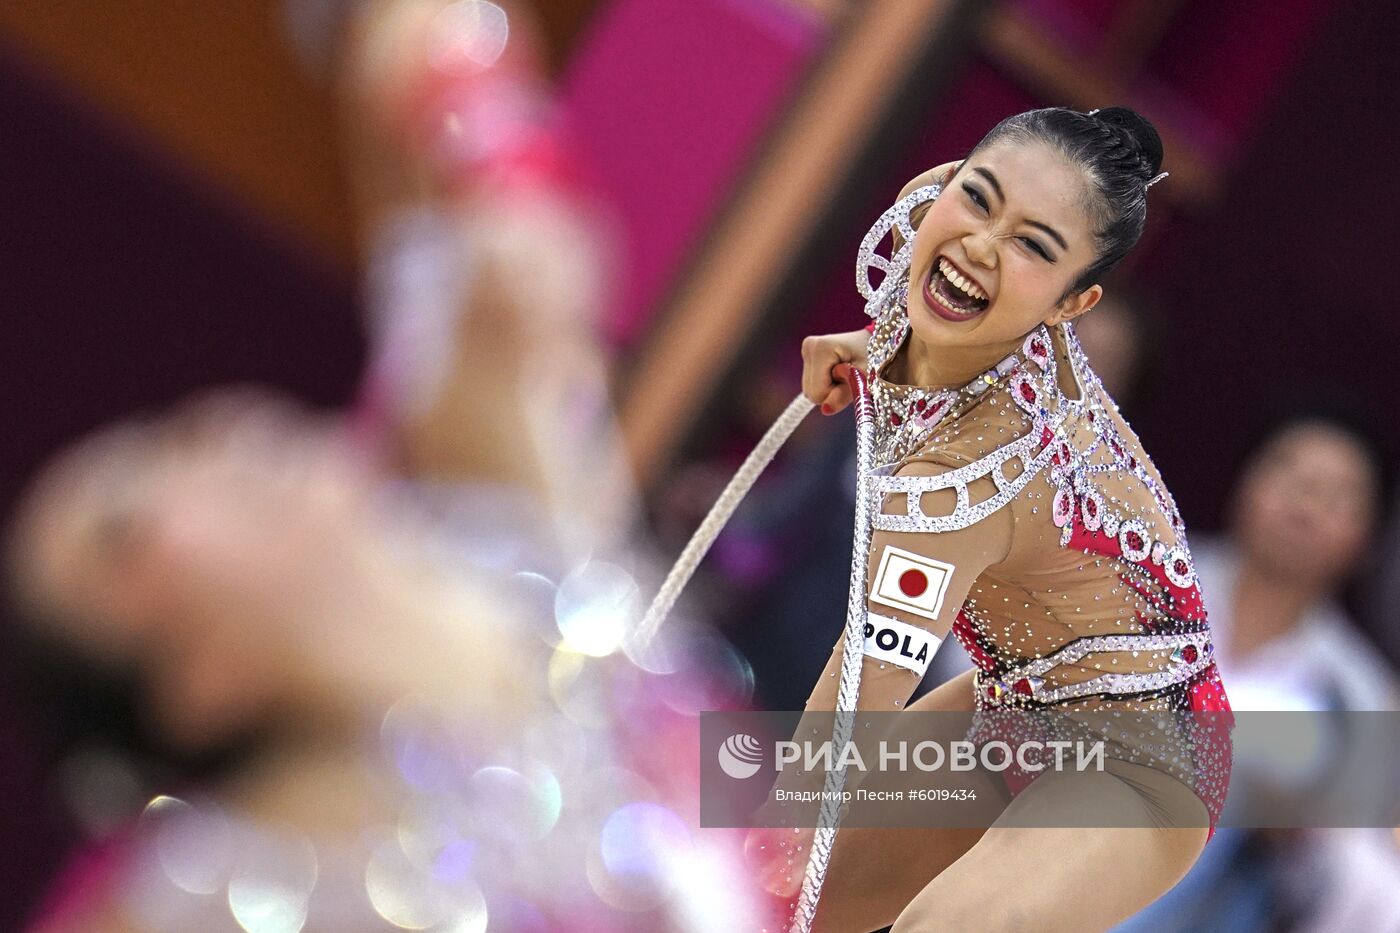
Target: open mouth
(953, 295)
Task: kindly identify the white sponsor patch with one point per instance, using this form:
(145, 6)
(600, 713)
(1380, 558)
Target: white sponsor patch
(911, 582)
(899, 643)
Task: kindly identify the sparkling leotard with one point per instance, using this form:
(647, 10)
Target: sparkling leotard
(1094, 605)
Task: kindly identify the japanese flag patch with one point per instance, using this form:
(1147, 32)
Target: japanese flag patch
(911, 582)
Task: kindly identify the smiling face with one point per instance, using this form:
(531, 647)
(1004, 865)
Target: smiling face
(996, 252)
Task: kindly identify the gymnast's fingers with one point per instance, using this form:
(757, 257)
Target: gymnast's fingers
(819, 355)
(840, 395)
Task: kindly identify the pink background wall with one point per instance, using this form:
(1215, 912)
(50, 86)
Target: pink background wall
(668, 100)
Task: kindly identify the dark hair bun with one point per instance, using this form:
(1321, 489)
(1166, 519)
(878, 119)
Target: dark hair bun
(1141, 133)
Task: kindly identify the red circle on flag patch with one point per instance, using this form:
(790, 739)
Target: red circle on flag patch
(913, 583)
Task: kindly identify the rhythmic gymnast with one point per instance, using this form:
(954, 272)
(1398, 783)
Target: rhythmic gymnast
(1018, 511)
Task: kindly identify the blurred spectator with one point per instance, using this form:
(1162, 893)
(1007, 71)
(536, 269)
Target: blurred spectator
(1302, 522)
(1303, 516)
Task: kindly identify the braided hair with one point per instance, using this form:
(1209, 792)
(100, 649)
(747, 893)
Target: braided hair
(1120, 153)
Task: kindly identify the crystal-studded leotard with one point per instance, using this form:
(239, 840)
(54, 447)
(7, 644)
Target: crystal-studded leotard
(1095, 602)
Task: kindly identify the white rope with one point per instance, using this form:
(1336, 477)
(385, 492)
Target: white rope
(720, 513)
(853, 643)
(878, 301)
(852, 662)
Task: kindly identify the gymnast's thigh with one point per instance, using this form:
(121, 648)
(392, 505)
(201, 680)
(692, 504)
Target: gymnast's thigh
(1025, 873)
(874, 873)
